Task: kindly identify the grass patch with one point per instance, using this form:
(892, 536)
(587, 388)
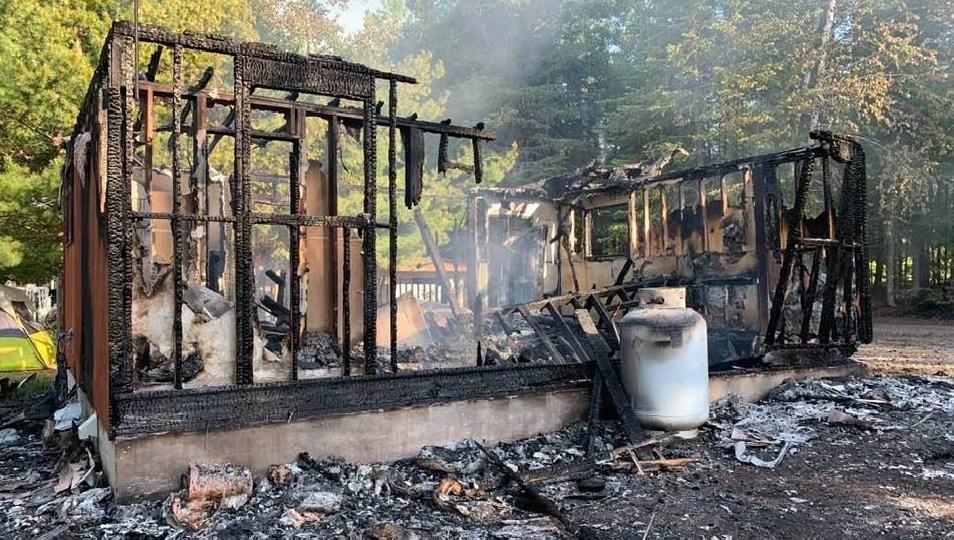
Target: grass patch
(14, 399)
(37, 386)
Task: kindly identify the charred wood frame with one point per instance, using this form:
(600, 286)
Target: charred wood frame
(772, 250)
(127, 111)
(115, 143)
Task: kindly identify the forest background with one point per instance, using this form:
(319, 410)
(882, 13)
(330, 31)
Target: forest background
(562, 83)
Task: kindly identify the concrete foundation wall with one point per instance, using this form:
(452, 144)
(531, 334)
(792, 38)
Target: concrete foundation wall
(756, 384)
(151, 466)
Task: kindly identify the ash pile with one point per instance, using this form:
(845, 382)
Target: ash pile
(585, 481)
(441, 339)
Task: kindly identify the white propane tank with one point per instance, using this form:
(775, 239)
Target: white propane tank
(665, 364)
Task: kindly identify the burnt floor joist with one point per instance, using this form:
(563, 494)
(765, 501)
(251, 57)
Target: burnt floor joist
(215, 408)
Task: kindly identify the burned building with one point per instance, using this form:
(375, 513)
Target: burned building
(211, 280)
(221, 298)
(772, 250)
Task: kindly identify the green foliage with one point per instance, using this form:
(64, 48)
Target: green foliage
(581, 80)
(537, 71)
(935, 301)
(46, 47)
(30, 223)
(381, 44)
(562, 83)
(610, 227)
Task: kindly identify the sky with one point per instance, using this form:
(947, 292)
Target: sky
(353, 16)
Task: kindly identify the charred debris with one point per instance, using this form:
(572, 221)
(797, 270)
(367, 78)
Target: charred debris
(543, 486)
(771, 249)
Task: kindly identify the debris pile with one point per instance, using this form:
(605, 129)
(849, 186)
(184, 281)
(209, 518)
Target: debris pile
(209, 489)
(574, 482)
(319, 349)
(794, 412)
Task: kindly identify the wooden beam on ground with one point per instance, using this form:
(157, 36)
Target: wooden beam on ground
(610, 379)
(503, 323)
(555, 356)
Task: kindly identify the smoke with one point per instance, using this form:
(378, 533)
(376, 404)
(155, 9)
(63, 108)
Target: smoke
(487, 47)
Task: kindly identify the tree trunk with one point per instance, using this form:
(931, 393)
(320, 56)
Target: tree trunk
(922, 263)
(823, 58)
(902, 282)
(946, 264)
(891, 254)
(879, 269)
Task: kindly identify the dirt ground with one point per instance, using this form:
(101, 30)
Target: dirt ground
(909, 346)
(871, 458)
(845, 482)
(856, 483)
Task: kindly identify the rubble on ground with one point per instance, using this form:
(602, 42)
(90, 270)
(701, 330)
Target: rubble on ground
(450, 343)
(546, 486)
(319, 349)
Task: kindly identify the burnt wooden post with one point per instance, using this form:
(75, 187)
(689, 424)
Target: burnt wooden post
(434, 253)
(370, 235)
(392, 218)
(177, 232)
(241, 202)
(331, 152)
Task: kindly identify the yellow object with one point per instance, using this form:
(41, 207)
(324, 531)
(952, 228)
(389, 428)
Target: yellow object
(24, 344)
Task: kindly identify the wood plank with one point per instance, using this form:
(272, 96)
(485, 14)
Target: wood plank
(580, 351)
(611, 379)
(606, 321)
(555, 356)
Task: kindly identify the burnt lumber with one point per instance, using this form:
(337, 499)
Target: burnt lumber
(591, 345)
(580, 352)
(550, 507)
(593, 417)
(651, 465)
(555, 356)
(564, 472)
(623, 450)
(606, 321)
(434, 253)
(609, 377)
